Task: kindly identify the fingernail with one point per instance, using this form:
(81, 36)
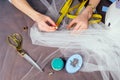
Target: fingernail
(56, 27)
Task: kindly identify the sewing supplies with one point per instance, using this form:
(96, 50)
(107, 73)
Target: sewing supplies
(67, 9)
(57, 64)
(74, 63)
(15, 40)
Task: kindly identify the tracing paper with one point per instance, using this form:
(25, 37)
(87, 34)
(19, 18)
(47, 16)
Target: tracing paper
(98, 45)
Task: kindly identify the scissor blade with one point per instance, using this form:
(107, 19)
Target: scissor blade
(30, 60)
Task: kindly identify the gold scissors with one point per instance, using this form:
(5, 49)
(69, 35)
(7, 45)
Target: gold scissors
(16, 40)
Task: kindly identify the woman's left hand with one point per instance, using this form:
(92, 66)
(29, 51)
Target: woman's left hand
(81, 21)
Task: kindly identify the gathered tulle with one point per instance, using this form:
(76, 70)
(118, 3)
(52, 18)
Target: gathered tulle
(99, 46)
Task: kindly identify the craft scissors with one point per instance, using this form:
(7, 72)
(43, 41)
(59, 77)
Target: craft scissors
(16, 41)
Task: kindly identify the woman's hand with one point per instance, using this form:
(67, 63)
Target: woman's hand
(45, 23)
(81, 21)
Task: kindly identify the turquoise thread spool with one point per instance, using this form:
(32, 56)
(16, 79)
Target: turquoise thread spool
(57, 64)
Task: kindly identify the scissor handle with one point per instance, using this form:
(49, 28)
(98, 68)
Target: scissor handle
(15, 40)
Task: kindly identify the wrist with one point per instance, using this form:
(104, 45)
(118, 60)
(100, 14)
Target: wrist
(88, 12)
(92, 7)
(34, 16)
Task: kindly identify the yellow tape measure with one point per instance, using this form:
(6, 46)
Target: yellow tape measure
(66, 9)
(96, 18)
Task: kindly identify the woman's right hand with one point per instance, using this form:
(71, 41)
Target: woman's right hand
(45, 23)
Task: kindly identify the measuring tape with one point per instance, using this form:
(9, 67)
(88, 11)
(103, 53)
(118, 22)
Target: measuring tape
(66, 9)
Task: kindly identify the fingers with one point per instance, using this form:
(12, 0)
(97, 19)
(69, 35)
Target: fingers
(71, 24)
(84, 27)
(77, 27)
(80, 27)
(51, 21)
(44, 27)
(46, 24)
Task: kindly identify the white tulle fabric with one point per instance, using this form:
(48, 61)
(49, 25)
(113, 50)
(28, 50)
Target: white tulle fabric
(99, 45)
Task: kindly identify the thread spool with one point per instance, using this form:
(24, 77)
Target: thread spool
(57, 64)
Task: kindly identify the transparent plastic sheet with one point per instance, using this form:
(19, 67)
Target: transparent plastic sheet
(98, 45)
